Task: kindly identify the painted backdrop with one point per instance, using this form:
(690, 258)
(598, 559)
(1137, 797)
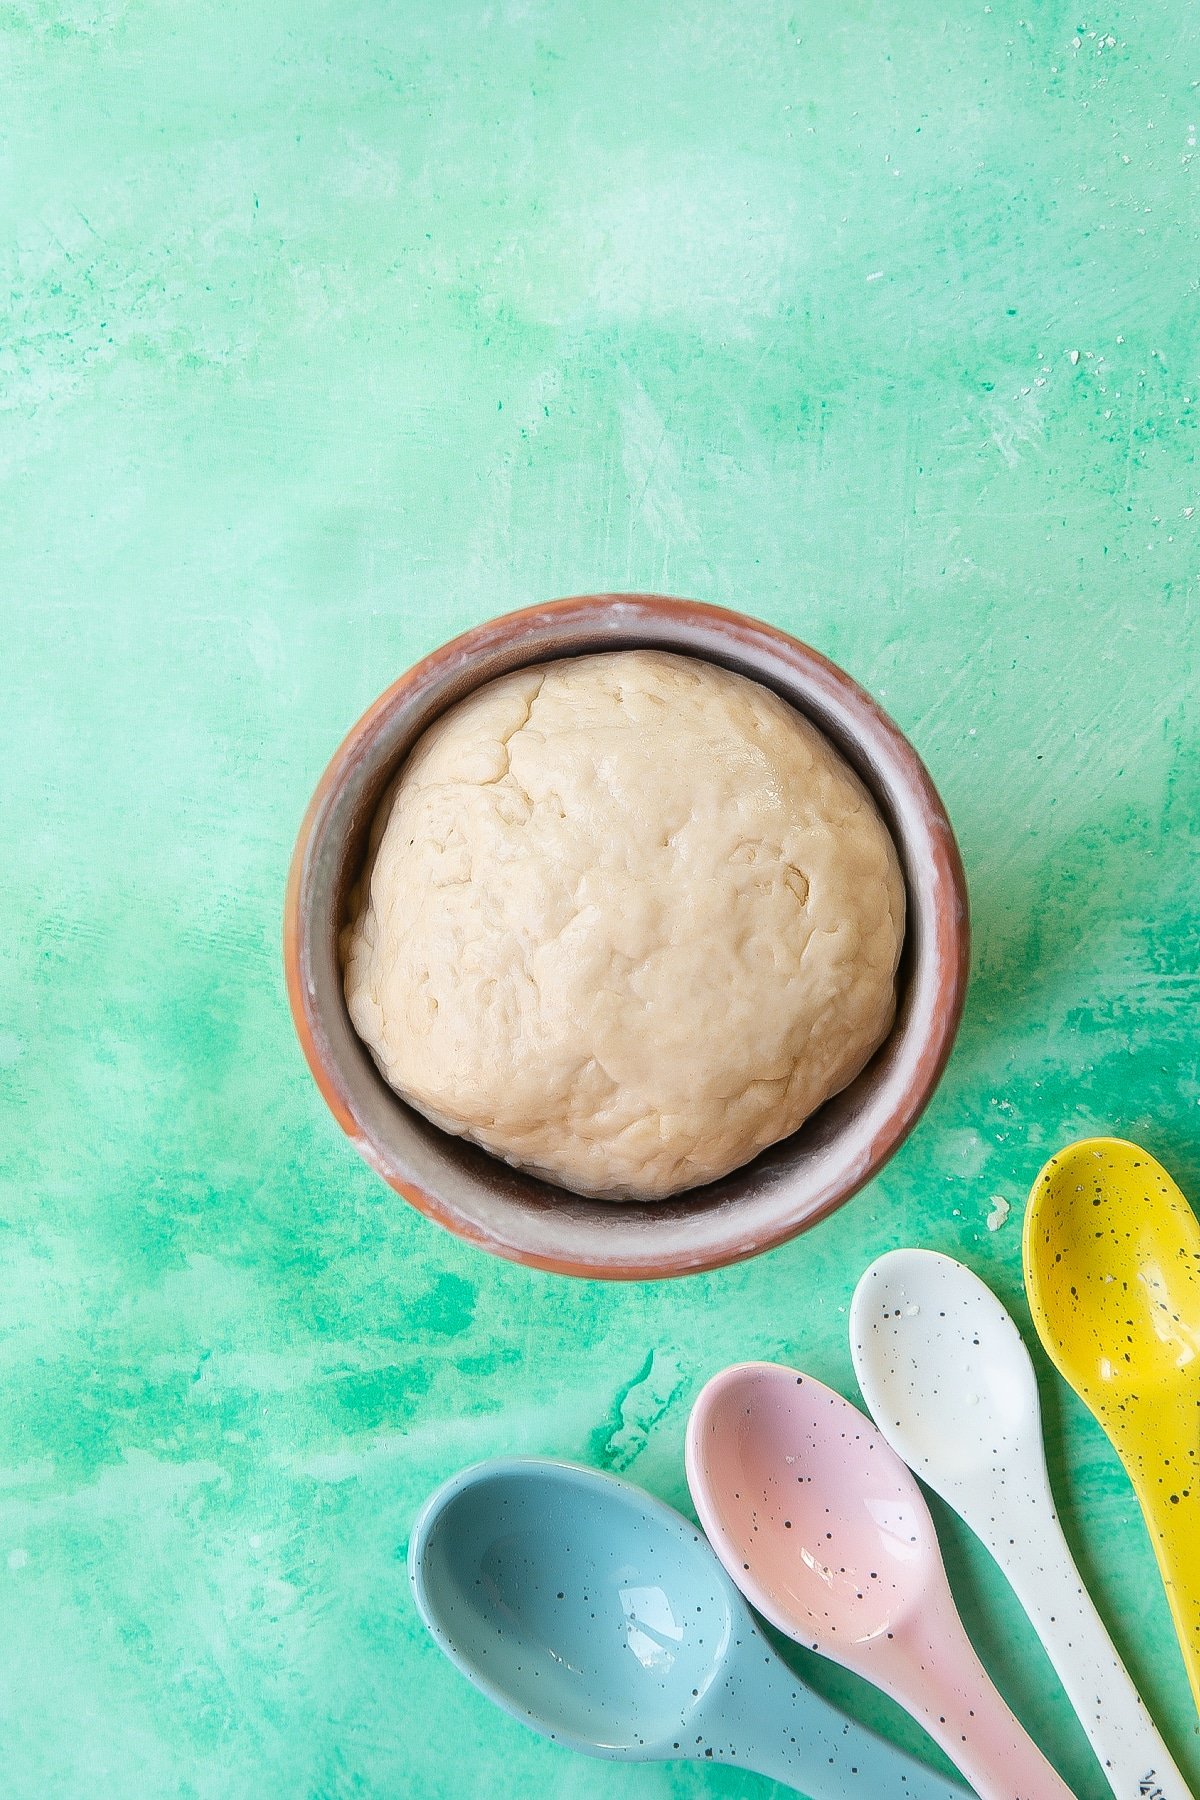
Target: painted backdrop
(328, 331)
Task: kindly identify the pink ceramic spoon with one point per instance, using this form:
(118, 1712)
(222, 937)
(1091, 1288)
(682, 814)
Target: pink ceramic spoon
(825, 1531)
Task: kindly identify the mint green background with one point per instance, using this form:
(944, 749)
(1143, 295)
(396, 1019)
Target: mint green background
(330, 331)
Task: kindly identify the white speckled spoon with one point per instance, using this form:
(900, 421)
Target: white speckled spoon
(950, 1384)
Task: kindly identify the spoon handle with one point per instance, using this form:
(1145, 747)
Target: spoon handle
(1043, 1575)
(943, 1684)
(780, 1728)
(1169, 1494)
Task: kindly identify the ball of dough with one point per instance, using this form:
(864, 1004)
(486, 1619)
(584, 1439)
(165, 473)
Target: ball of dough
(630, 919)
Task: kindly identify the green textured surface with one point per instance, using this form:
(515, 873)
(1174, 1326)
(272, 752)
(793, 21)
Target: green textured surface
(329, 331)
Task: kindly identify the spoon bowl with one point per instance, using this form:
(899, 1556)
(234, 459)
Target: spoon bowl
(574, 1603)
(602, 1619)
(1112, 1269)
(846, 1545)
(942, 1368)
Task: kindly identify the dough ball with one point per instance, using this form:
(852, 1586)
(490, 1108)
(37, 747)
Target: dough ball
(630, 919)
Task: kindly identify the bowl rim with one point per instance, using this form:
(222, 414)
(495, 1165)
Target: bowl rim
(617, 616)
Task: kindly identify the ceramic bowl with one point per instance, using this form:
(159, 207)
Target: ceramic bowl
(789, 1186)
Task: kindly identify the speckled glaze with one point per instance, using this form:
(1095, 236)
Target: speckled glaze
(826, 1532)
(1112, 1268)
(950, 1384)
(792, 1184)
(602, 1618)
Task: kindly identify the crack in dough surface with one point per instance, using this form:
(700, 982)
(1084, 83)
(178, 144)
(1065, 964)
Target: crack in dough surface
(630, 920)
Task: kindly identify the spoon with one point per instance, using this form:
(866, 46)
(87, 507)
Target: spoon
(1112, 1270)
(602, 1618)
(950, 1384)
(826, 1533)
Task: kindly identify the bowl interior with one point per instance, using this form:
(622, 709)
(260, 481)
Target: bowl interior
(787, 1186)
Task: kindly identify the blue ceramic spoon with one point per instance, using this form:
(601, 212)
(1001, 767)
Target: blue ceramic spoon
(603, 1619)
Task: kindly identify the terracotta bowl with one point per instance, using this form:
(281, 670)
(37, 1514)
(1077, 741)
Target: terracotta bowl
(789, 1186)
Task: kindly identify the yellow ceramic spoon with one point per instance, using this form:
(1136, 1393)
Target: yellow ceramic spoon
(1112, 1269)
